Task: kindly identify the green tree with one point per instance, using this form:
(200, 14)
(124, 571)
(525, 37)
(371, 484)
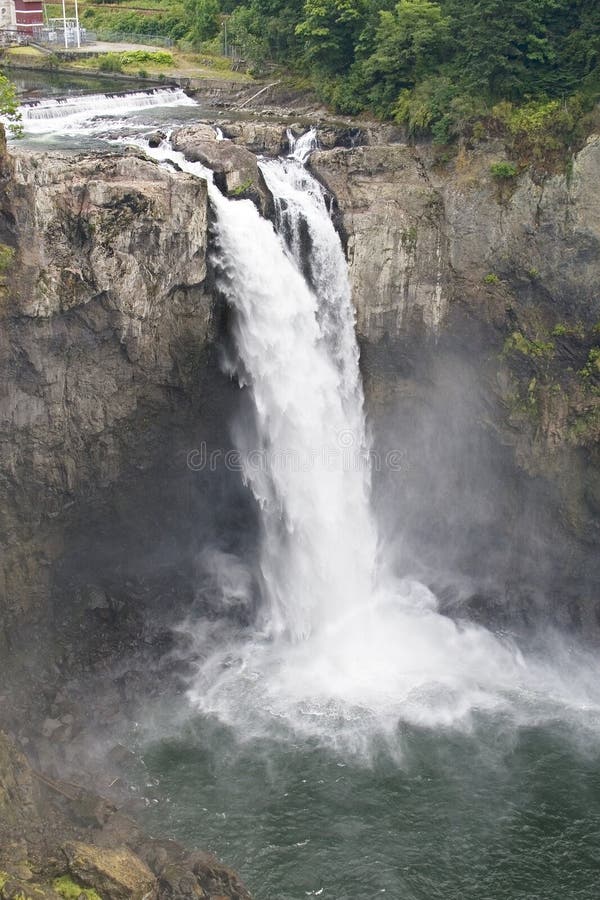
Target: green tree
(331, 30)
(411, 41)
(203, 17)
(503, 50)
(9, 106)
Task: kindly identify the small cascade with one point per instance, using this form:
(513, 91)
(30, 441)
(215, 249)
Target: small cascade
(302, 147)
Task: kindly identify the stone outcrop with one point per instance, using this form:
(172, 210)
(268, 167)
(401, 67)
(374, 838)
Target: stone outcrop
(235, 169)
(392, 219)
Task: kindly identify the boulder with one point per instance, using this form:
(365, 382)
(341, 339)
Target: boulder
(236, 171)
(258, 137)
(115, 874)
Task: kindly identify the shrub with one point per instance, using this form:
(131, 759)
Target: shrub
(518, 343)
(70, 890)
(156, 57)
(110, 62)
(592, 366)
(491, 279)
(503, 170)
(7, 255)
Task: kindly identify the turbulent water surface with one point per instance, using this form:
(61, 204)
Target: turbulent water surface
(353, 741)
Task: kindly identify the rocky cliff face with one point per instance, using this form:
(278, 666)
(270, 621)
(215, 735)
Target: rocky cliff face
(107, 325)
(478, 312)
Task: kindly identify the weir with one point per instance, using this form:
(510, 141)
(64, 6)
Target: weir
(57, 114)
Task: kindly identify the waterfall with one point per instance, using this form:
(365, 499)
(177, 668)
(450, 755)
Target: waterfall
(306, 460)
(298, 353)
(302, 147)
(342, 650)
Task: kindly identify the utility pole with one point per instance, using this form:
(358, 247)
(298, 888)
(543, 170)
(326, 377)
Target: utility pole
(65, 24)
(77, 31)
(225, 19)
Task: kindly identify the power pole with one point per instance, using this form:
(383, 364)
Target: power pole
(65, 24)
(77, 31)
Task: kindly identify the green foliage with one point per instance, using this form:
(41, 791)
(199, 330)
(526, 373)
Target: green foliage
(7, 255)
(436, 106)
(330, 30)
(503, 170)
(592, 366)
(491, 279)
(518, 343)
(245, 29)
(171, 23)
(584, 429)
(70, 890)
(561, 329)
(528, 69)
(203, 16)
(9, 106)
(110, 62)
(241, 189)
(542, 128)
(156, 57)
(410, 41)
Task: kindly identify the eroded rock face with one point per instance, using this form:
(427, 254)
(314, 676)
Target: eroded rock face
(392, 218)
(420, 235)
(235, 169)
(461, 278)
(106, 320)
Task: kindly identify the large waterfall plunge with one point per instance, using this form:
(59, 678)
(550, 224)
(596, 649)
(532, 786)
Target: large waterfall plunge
(342, 649)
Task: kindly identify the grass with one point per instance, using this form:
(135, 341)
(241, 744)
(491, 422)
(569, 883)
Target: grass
(30, 52)
(70, 890)
(187, 65)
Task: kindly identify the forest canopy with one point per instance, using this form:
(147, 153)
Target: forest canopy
(431, 65)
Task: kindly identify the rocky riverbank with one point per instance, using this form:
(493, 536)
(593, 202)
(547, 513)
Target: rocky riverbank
(58, 840)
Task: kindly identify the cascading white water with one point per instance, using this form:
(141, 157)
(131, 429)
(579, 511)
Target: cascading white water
(343, 651)
(62, 114)
(302, 147)
(307, 464)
